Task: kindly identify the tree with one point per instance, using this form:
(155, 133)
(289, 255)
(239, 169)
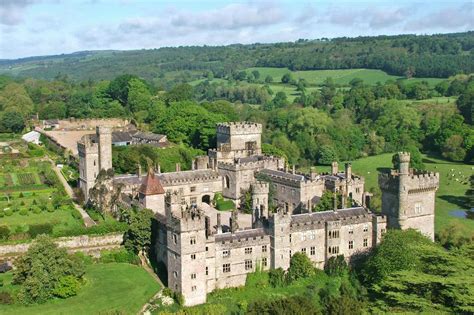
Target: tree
(138, 236)
(336, 266)
(276, 277)
(139, 97)
(300, 267)
(256, 74)
(453, 148)
(11, 121)
(46, 271)
(119, 87)
(293, 305)
(416, 159)
(327, 155)
(15, 98)
(287, 78)
(465, 104)
(179, 93)
(268, 79)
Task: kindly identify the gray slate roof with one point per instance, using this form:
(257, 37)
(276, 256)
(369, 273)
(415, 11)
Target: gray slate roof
(329, 215)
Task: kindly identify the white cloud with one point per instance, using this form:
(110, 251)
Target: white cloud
(11, 11)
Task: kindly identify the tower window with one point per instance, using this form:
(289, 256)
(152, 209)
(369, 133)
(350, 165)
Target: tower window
(351, 244)
(193, 256)
(207, 271)
(365, 242)
(226, 268)
(193, 288)
(248, 264)
(303, 250)
(366, 227)
(264, 262)
(192, 241)
(418, 208)
(248, 250)
(193, 276)
(226, 253)
(264, 248)
(312, 250)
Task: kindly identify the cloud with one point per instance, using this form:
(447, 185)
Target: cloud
(11, 11)
(458, 18)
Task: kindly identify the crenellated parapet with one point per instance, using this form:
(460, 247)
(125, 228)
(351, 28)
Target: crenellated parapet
(412, 182)
(239, 128)
(260, 187)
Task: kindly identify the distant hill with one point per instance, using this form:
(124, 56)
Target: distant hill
(423, 56)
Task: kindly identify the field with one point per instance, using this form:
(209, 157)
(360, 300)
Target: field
(450, 195)
(342, 77)
(110, 289)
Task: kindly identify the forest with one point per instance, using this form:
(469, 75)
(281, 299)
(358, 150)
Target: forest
(439, 56)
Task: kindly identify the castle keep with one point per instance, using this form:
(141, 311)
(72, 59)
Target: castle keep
(204, 249)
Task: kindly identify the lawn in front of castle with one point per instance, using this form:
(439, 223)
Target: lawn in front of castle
(111, 288)
(450, 195)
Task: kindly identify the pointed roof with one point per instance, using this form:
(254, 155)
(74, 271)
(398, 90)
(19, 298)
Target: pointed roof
(151, 184)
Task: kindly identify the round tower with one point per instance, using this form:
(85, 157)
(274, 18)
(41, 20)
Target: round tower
(404, 167)
(260, 191)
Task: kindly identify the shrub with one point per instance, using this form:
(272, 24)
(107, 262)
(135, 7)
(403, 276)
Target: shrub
(36, 210)
(8, 212)
(23, 211)
(5, 298)
(67, 286)
(2, 213)
(336, 266)
(119, 256)
(21, 195)
(4, 232)
(300, 267)
(50, 209)
(276, 277)
(37, 229)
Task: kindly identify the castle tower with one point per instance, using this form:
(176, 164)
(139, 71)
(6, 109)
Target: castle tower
(408, 197)
(104, 135)
(260, 192)
(95, 154)
(237, 140)
(280, 240)
(186, 239)
(151, 193)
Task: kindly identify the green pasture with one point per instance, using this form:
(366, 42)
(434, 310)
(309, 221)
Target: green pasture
(113, 288)
(342, 77)
(450, 195)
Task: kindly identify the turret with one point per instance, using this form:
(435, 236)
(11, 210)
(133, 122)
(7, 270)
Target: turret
(104, 134)
(260, 192)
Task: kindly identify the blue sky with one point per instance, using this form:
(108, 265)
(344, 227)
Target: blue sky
(44, 27)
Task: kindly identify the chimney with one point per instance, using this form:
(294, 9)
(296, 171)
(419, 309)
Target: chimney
(139, 171)
(158, 168)
(286, 167)
(335, 201)
(348, 167)
(312, 173)
(293, 170)
(178, 167)
(334, 168)
(219, 226)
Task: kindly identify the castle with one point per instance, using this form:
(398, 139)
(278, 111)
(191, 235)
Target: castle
(204, 249)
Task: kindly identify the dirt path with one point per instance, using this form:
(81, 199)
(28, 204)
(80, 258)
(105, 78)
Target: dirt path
(85, 216)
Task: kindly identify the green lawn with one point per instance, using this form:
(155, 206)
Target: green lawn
(449, 196)
(110, 288)
(342, 77)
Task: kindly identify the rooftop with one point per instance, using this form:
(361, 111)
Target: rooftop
(151, 185)
(329, 215)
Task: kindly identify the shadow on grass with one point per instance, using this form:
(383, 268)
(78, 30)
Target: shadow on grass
(383, 169)
(459, 201)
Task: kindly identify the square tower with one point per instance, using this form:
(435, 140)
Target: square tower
(408, 197)
(242, 138)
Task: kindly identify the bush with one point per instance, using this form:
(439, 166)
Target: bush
(300, 267)
(5, 298)
(67, 286)
(2, 213)
(119, 256)
(225, 205)
(4, 232)
(276, 277)
(23, 211)
(336, 266)
(37, 229)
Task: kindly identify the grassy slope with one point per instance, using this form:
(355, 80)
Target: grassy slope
(449, 196)
(118, 287)
(340, 76)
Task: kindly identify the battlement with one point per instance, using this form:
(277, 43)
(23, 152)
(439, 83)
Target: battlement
(102, 130)
(404, 157)
(239, 128)
(260, 187)
(179, 178)
(88, 144)
(415, 180)
(250, 163)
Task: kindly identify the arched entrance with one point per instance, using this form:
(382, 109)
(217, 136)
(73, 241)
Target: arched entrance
(206, 199)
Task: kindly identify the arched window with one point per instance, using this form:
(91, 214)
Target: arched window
(226, 181)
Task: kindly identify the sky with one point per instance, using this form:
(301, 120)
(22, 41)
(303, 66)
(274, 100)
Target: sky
(46, 27)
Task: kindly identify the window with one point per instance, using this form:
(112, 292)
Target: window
(303, 250)
(264, 262)
(290, 253)
(192, 240)
(248, 264)
(351, 229)
(193, 288)
(193, 276)
(193, 188)
(193, 200)
(207, 271)
(226, 253)
(351, 244)
(193, 256)
(303, 237)
(264, 248)
(312, 250)
(175, 238)
(365, 242)
(226, 268)
(333, 234)
(290, 238)
(175, 274)
(94, 162)
(418, 208)
(312, 236)
(357, 190)
(366, 227)
(248, 250)
(333, 249)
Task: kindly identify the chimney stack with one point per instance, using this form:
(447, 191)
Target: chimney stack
(158, 168)
(219, 226)
(348, 167)
(335, 201)
(178, 167)
(313, 173)
(139, 171)
(294, 169)
(334, 168)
